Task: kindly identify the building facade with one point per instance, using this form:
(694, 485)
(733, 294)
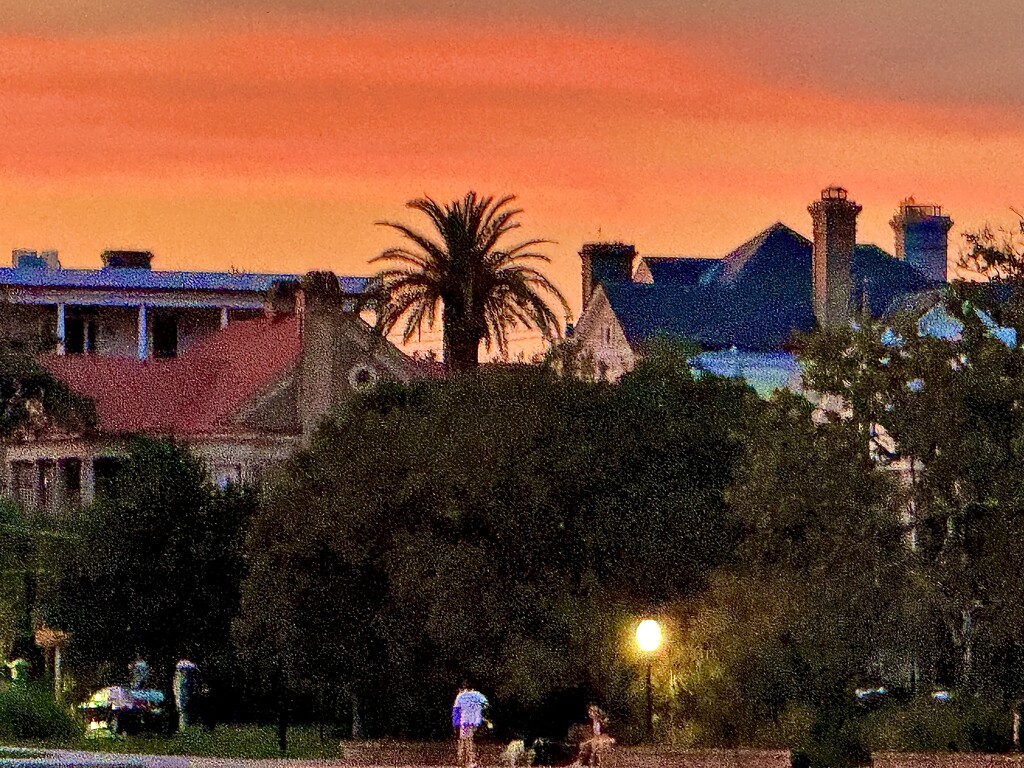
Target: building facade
(743, 310)
(239, 367)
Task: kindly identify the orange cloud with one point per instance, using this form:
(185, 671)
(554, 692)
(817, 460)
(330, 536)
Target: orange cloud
(277, 146)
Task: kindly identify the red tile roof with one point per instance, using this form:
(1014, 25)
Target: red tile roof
(194, 394)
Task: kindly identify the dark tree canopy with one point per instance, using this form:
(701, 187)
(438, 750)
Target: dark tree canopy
(949, 416)
(995, 253)
(32, 400)
(158, 569)
(506, 526)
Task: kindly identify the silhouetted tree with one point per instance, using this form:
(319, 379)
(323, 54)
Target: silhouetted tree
(159, 566)
(482, 288)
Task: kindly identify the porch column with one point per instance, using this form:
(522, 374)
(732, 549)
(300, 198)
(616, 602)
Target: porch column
(143, 333)
(58, 675)
(61, 344)
(88, 480)
(223, 317)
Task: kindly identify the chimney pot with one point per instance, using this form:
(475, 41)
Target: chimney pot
(922, 237)
(835, 235)
(604, 262)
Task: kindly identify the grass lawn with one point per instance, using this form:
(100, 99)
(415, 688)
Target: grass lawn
(243, 741)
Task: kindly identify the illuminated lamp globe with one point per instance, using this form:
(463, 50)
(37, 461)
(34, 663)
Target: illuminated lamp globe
(648, 635)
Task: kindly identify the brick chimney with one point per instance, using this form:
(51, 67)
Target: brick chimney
(318, 302)
(120, 259)
(922, 238)
(835, 234)
(605, 262)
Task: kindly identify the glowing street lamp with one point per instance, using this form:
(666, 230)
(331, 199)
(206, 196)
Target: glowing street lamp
(648, 638)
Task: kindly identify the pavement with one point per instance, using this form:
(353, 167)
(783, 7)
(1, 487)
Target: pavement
(19, 757)
(623, 758)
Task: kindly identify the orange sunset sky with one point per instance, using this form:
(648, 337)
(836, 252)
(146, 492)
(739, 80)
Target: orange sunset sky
(270, 135)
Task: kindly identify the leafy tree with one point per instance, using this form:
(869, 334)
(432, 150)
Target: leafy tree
(31, 548)
(159, 568)
(483, 288)
(31, 402)
(996, 254)
(946, 414)
(504, 526)
(810, 605)
(31, 399)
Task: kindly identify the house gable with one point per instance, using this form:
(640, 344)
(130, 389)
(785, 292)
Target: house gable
(600, 340)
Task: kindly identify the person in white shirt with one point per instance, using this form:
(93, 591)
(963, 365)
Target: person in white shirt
(467, 715)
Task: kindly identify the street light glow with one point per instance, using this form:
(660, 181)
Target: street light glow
(648, 635)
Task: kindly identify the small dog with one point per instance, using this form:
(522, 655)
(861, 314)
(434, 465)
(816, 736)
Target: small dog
(516, 754)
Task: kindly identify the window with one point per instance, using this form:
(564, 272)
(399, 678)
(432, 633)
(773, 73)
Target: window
(104, 471)
(165, 336)
(23, 482)
(79, 335)
(46, 493)
(256, 472)
(71, 474)
(608, 335)
(227, 474)
(362, 376)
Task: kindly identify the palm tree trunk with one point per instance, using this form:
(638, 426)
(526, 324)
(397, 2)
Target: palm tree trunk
(462, 352)
(461, 341)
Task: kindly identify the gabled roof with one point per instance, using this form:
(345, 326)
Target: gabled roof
(194, 394)
(647, 310)
(757, 296)
(144, 279)
(777, 247)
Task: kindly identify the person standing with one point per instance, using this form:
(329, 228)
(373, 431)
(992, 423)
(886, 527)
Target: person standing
(592, 750)
(185, 684)
(467, 715)
(140, 673)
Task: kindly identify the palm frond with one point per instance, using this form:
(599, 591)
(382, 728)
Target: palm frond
(433, 250)
(404, 256)
(485, 290)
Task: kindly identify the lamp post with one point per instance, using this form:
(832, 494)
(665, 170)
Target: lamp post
(648, 638)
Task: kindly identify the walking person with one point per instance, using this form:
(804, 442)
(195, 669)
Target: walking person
(467, 715)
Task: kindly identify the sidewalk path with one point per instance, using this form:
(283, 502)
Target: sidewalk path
(634, 757)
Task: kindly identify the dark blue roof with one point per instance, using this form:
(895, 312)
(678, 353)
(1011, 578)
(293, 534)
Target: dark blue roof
(145, 279)
(776, 243)
(758, 296)
(675, 270)
(881, 281)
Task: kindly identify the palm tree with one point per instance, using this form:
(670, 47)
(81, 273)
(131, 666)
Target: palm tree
(484, 290)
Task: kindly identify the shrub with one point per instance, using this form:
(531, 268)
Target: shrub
(31, 713)
(967, 725)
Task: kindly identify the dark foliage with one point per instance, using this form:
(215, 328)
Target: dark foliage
(505, 526)
(158, 570)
